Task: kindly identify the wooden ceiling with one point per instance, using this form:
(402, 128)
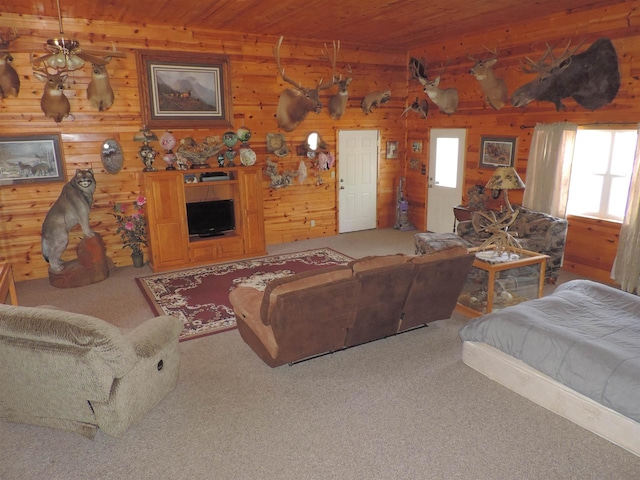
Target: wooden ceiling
(387, 24)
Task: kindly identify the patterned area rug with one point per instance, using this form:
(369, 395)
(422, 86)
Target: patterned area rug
(200, 296)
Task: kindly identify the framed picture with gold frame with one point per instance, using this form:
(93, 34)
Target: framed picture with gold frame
(184, 89)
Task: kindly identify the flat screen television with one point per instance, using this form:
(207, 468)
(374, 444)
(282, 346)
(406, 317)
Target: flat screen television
(211, 218)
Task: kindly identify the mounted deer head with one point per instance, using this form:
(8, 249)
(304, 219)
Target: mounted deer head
(99, 91)
(446, 99)
(295, 104)
(338, 103)
(494, 88)
(54, 103)
(9, 79)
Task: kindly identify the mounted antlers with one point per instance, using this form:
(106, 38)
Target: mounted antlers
(338, 103)
(494, 88)
(54, 103)
(295, 104)
(446, 99)
(9, 79)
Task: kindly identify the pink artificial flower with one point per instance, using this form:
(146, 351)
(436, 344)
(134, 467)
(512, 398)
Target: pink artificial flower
(129, 226)
(135, 216)
(120, 208)
(141, 200)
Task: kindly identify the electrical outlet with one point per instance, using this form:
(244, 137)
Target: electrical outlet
(313, 223)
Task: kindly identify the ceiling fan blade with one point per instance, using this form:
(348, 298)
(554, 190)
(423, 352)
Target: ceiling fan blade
(90, 58)
(105, 53)
(40, 59)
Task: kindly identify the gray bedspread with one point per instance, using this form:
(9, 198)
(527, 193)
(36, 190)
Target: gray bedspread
(585, 335)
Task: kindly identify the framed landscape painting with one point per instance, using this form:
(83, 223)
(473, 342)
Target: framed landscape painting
(32, 158)
(497, 151)
(183, 89)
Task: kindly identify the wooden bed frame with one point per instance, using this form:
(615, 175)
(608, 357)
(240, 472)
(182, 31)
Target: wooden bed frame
(552, 395)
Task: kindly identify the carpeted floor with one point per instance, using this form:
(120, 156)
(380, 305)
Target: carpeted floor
(200, 296)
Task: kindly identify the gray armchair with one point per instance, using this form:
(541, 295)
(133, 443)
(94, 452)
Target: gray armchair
(79, 373)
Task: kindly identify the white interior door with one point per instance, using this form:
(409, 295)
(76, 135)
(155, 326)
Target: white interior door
(357, 179)
(447, 147)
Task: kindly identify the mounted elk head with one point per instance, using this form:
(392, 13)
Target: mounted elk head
(446, 99)
(99, 91)
(494, 88)
(54, 103)
(591, 78)
(295, 104)
(9, 79)
(374, 99)
(338, 103)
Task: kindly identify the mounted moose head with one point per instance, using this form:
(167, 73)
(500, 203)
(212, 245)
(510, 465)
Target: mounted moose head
(9, 79)
(54, 103)
(338, 103)
(99, 91)
(446, 99)
(494, 88)
(591, 78)
(295, 104)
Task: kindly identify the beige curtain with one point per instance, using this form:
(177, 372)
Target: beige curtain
(549, 168)
(626, 268)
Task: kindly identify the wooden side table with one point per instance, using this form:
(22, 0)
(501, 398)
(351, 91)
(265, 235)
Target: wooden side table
(494, 285)
(7, 285)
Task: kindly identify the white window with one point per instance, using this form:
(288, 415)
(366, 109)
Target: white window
(601, 172)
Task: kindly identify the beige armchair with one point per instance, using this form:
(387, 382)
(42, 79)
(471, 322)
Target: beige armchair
(79, 373)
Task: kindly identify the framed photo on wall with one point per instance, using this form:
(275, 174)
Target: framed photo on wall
(392, 149)
(184, 89)
(31, 158)
(497, 151)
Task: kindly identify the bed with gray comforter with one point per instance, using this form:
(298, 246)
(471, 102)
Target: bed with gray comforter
(585, 335)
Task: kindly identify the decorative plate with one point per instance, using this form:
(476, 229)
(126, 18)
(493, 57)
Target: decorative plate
(247, 157)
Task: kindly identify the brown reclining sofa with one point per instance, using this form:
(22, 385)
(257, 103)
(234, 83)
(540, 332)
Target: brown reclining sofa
(326, 310)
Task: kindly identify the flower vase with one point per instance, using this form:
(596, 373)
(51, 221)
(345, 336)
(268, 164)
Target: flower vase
(138, 259)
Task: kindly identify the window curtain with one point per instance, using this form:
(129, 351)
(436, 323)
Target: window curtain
(626, 267)
(549, 168)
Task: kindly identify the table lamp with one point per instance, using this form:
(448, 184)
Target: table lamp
(146, 153)
(505, 179)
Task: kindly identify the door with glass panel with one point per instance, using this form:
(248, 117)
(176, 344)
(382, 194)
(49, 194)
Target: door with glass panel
(447, 147)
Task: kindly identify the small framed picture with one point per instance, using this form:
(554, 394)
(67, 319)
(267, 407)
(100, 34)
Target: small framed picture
(497, 151)
(392, 149)
(31, 158)
(416, 147)
(414, 164)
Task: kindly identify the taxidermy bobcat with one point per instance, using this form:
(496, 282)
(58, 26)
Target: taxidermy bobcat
(70, 209)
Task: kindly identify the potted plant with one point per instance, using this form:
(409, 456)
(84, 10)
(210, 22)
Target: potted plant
(132, 228)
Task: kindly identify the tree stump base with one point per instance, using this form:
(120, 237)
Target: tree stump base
(91, 266)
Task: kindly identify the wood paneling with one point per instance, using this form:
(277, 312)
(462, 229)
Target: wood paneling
(591, 246)
(255, 90)
(378, 23)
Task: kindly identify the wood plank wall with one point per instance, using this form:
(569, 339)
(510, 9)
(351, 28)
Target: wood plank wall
(255, 88)
(591, 244)
(255, 93)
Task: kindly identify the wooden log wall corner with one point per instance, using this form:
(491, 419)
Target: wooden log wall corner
(619, 22)
(255, 90)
